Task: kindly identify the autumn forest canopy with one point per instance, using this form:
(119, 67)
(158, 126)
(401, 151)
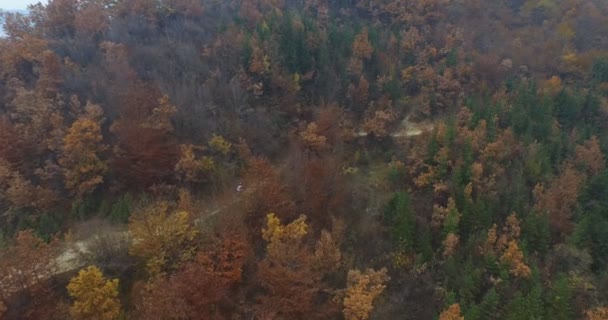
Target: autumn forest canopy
(304, 159)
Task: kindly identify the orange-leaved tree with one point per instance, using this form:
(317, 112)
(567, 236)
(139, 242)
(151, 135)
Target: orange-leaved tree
(264, 192)
(292, 273)
(27, 263)
(145, 152)
(451, 313)
(361, 291)
(26, 268)
(600, 313)
(201, 287)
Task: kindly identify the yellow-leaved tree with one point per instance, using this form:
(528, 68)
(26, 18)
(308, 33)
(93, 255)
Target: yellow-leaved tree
(95, 297)
(362, 288)
(163, 238)
(193, 168)
(161, 115)
(82, 145)
(219, 144)
(277, 234)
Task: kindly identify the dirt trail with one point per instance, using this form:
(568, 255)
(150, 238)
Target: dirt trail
(72, 256)
(407, 129)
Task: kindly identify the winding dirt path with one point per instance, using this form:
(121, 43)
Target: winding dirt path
(72, 256)
(407, 129)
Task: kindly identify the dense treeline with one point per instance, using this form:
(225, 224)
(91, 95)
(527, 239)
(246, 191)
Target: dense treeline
(395, 159)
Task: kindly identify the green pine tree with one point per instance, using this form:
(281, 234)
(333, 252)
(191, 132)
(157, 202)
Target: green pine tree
(398, 213)
(560, 300)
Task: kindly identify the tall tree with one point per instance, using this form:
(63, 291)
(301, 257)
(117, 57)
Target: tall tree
(94, 296)
(202, 288)
(451, 313)
(164, 238)
(26, 271)
(292, 269)
(597, 313)
(80, 157)
(145, 152)
(558, 200)
(361, 291)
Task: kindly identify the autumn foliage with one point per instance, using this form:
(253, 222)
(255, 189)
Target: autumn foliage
(94, 296)
(314, 159)
(362, 288)
(25, 271)
(451, 313)
(165, 238)
(202, 287)
(291, 268)
(84, 170)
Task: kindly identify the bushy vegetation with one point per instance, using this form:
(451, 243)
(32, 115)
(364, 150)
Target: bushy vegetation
(304, 159)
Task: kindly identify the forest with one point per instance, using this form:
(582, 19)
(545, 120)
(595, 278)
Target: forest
(304, 159)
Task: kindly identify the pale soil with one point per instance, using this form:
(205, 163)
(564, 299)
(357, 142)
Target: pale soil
(407, 129)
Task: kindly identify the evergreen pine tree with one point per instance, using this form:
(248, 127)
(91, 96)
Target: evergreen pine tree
(560, 300)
